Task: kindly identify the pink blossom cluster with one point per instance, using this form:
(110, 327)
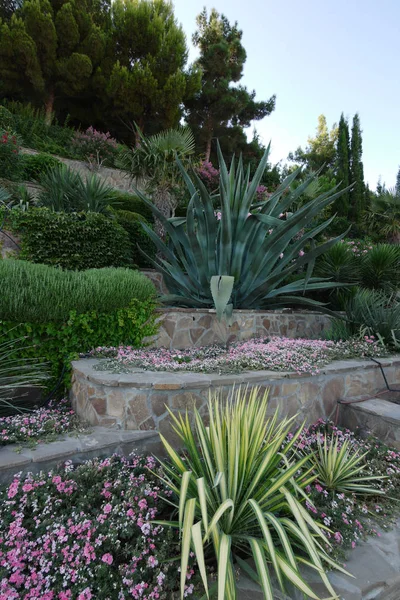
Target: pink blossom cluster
(39, 425)
(93, 143)
(262, 193)
(275, 354)
(87, 533)
(208, 174)
(357, 247)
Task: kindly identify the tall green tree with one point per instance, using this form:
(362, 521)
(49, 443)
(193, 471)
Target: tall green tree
(8, 8)
(357, 194)
(49, 49)
(146, 68)
(220, 105)
(398, 182)
(320, 152)
(342, 205)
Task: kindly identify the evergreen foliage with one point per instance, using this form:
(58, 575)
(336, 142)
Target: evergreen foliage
(342, 206)
(76, 241)
(49, 48)
(398, 183)
(220, 107)
(357, 193)
(320, 153)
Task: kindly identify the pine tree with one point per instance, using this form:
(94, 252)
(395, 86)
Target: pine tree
(220, 106)
(357, 194)
(49, 49)
(398, 183)
(342, 204)
(147, 82)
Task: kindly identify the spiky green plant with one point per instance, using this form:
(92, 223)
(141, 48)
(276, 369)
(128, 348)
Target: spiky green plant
(17, 375)
(343, 469)
(250, 242)
(239, 494)
(380, 268)
(374, 313)
(64, 190)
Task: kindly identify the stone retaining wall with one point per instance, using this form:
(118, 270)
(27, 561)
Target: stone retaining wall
(115, 178)
(139, 400)
(184, 327)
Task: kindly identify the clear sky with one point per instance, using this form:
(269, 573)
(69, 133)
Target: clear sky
(320, 56)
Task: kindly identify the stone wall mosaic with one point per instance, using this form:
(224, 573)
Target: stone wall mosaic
(139, 400)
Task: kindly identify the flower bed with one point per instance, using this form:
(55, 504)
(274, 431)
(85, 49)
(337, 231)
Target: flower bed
(274, 354)
(351, 518)
(42, 425)
(86, 533)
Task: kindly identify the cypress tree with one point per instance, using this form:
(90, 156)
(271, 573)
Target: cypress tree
(398, 183)
(357, 194)
(342, 204)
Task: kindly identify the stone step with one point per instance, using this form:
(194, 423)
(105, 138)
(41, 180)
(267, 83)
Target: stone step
(375, 415)
(98, 442)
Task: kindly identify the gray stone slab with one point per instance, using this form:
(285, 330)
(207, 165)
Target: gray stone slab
(100, 442)
(380, 408)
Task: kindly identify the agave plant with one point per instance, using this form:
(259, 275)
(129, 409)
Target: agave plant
(249, 242)
(239, 494)
(16, 374)
(342, 469)
(374, 313)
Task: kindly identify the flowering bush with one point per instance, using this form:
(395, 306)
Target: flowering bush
(42, 425)
(208, 174)
(349, 517)
(10, 157)
(276, 354)
(358, 247)
(262, 193)
(87, 533)
(95, 147)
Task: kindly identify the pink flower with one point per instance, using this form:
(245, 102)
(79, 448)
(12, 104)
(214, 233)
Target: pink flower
(107, 558)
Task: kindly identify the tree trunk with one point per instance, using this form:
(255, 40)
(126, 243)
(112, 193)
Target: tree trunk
(165, 202)
(49, 106)
(208, 147)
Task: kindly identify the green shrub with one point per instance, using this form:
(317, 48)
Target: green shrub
(35, 165)
(125, 201)
(63, 313)
(10, 156)
(59, 343)
(38, 293)
(131, 222)
(71, 241)
(6, 119)
(31, 125)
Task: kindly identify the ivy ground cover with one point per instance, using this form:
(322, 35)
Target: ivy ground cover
(275, 354)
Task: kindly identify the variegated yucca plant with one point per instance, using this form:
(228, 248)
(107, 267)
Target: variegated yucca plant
(247, 241)
(343, 469)
(240, 494)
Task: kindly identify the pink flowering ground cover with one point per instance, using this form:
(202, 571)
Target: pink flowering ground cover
(41, 425)
(275, 354)
(349, 517)
(86, 533)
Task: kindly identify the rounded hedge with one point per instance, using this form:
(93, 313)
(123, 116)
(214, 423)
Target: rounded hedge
(41, 294)
(75, 241)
